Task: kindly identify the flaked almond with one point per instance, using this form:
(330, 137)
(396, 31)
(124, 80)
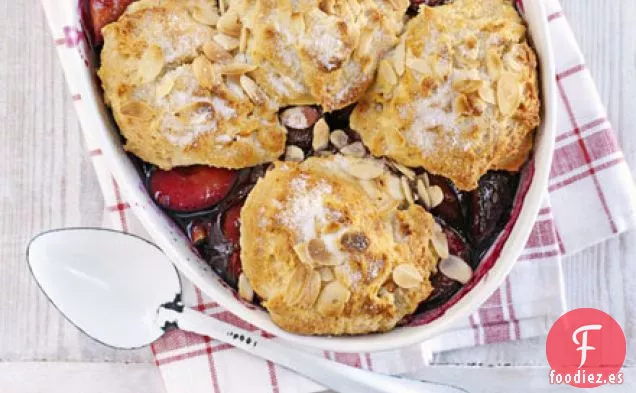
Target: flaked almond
(406, 276)
(302, 252)
(215, 52)
(440, 244)
(227, 42)
(487, 93)
(310, 290)
(339, 139)
(204, 15)
(229, 24)
(419, 65)
(355, 149)
(494, 65)
(236, 68)
(164, 87)
(150, 64)
(366, 42)
(387, 78)
(223, 6)
(252, 90)
(456, 269)
(326, 274)
(137, 110)
(320, 139)
(244, 288)
(399, 58)
(508, 93)
(195, 113)
(394, 188)
(422, 191)
(294, 154)
(425, 179)
(406, 171)
(437, 196)
(406, 189)
(332, 299)
(318, 250)
(300, 117)
(467, 85)
(245, 35)
(296, 284)
(364, 169)
(203, 71)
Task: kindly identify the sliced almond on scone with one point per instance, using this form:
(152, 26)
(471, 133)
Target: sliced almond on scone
(508, 93)
(204, 15)
(215, 52)
(399, 58)
(332, 299)
(252, 90)
(137, 110)
(310, 290)
(494, 65)
(236, 68)
(296, 284)
(203, 71)
(364, 169)
(406, 276)
(227, 42)
(164, 87)
(150, 64)
(229, 24)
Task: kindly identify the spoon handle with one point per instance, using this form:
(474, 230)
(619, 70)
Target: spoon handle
(334, 375)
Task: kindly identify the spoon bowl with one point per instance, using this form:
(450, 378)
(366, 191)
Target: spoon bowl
(107, 284)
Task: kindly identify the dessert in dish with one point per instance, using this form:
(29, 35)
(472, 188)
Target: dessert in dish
(306, 158)
(326, 248)
(458, 96)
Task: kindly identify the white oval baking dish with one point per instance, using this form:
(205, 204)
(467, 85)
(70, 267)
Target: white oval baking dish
(98, 124)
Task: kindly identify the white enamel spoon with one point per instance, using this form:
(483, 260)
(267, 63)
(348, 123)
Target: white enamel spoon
(123, 291)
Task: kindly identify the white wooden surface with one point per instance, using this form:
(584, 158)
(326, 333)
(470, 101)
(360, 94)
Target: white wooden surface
(46, 181)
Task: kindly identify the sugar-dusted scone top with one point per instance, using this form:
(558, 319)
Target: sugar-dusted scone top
(174, 105)
(317, 51)
(325, 246)
(458, 96)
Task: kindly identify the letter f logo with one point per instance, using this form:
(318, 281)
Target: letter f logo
(583, 344)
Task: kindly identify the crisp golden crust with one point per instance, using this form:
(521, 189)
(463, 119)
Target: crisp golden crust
(330, 253)
(175, 106)
(324, 52)
(459, 96)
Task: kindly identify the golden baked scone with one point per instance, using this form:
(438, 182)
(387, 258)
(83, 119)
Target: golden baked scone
(178, 96)
(325, 246)
(458, 96)
(317, 51)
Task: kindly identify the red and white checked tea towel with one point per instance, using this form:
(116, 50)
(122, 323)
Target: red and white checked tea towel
(591, 198)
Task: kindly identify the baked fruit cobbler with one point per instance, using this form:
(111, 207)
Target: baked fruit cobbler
(345, 164)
